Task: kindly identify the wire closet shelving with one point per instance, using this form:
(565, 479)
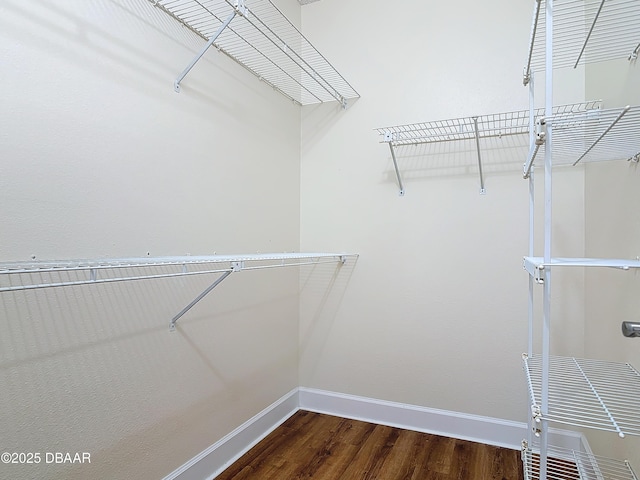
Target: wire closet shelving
(594, 394)
(565, 464)
(587, 32)
(587, 393)
(536, 266)
(589, 134)
(18, 276)
(257, 35)
(475, 128)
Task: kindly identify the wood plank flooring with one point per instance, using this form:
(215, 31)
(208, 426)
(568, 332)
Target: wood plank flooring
(323, 447)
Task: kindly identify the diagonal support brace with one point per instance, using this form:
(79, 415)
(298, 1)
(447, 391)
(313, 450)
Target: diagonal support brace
(239, 9)
(540, 136)
(172, 325)
(613, 124)
(388, 137)
(477, 133)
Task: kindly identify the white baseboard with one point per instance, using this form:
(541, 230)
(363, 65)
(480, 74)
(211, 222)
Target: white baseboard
(215, 459)
(476, 428)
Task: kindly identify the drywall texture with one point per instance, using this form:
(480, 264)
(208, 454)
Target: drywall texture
(436, 310)
(101, 158)
(613, 231)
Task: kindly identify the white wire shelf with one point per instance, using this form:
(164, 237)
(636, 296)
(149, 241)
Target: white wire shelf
(590, 135)
(481, 129)
(488, 126)
(457, 129)
(536, 266)
(16, 276)
(564, 464)
(585, 32)
(587, 393)
(475, 128)
(257, 35)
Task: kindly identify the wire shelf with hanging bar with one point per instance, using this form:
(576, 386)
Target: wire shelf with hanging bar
(587, 32)
(586, 393)
(588, 136)
(567, 464)
(474, 128)
(257, 35)
(478, 129)
(19, 276)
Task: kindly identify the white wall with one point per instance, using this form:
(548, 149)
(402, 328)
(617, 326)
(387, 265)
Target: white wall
(101, 158)
(436, 310)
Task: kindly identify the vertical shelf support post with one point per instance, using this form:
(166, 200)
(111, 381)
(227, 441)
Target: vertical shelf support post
(172, 325)
(548, 192)
(239, 8)
(475, 126)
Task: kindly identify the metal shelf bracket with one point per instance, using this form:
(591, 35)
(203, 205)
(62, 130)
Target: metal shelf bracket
(540, 138)
(239, 9)
(172, 325)
(475, 126)
(618, 118)
(389, 137)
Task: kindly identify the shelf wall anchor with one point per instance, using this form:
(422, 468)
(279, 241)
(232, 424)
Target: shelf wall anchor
(234, 268)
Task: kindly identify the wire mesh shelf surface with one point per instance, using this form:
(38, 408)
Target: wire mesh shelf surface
(564, 464)
(587, 393)
(464, 128)
(265, 42)
(590, 135)
(585, 31)
(596, 135)
(16, 276)
(494, 125)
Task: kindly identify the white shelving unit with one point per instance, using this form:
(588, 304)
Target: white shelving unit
(584, 393)
(476, 129)
(17, 276)
(587, 393)
(257, 35)
(588, 134)
(571, 465)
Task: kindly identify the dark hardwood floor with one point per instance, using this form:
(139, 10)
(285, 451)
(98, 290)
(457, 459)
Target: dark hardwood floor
(323, 447)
